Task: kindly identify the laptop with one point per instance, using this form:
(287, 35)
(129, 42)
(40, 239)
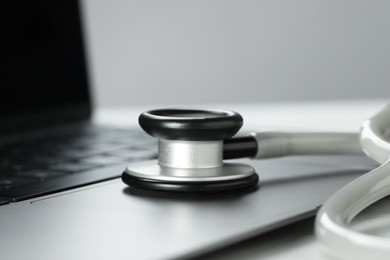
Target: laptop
(61, 196)
(46, 106)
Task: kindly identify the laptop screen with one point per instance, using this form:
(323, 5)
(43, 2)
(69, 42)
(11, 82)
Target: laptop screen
(43, 67)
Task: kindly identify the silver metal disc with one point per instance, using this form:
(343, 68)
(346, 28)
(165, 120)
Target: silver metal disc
(151, 170)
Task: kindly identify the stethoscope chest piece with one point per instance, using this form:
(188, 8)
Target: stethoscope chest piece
(190, 153)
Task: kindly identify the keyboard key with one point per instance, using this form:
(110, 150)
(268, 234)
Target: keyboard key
(46, 160)
(103, 159)
(105, 147)
(42, 174)
(74, 167)
(136, 154)
(72, 154)
(8, 182)
(10, 170)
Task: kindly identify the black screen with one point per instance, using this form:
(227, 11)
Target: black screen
(43, 71)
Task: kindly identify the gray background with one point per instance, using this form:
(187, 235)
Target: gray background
(166, 52)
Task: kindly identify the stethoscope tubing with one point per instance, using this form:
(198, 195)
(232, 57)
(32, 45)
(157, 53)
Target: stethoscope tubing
(332, 220)
(331, 226)
(263, 145)
(339, 210)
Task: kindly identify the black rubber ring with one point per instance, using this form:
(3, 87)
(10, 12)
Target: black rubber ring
(191, 124)
(191, 187)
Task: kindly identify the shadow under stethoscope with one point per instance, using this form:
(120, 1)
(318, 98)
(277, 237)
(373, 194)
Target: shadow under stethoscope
(182, 196)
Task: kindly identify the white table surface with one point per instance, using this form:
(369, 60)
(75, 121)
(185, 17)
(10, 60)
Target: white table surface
(296, 241)
(310, 116)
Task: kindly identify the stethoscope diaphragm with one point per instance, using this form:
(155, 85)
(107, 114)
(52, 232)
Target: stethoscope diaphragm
(190, 153)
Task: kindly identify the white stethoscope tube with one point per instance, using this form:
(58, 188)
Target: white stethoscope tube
(334, 217)
(277, 144)
(338, 211)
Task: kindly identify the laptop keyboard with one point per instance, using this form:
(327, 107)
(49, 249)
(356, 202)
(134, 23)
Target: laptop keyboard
(57, 159)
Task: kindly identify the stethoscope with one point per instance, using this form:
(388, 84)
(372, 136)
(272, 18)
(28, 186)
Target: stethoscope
(192, 145)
